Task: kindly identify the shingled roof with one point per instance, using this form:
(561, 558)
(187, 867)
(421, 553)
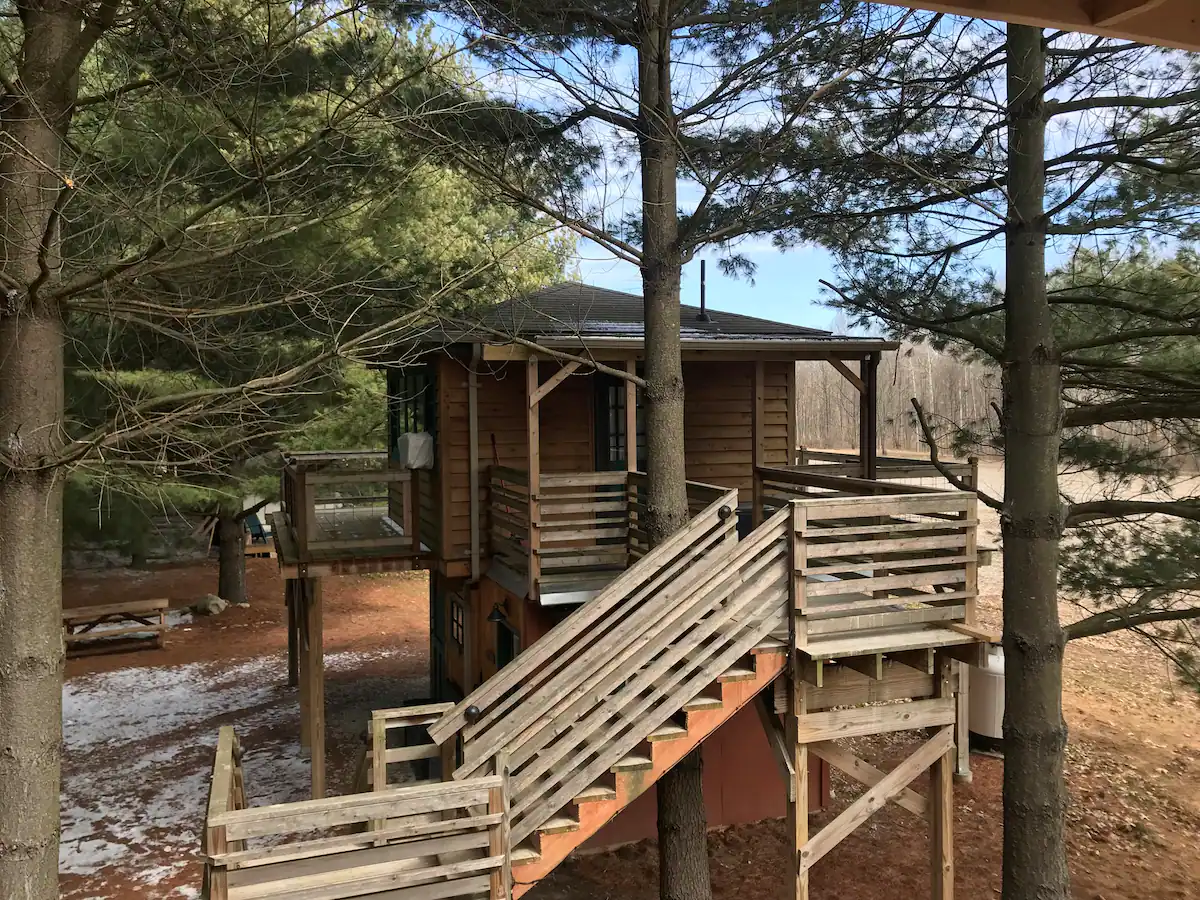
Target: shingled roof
(571, 309)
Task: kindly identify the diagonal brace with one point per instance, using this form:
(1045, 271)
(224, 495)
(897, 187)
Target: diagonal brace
(875, 799)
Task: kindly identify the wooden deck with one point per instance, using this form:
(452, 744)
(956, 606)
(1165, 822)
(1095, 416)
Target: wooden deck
(347, 513)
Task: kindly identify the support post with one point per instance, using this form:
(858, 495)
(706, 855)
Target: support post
(473, 461)
(293, 634)
(941, 801)
(868, 416)
(533, 433)
(631, 460)
(300, 601)
(797, 818)
(793, 417)
(798, 790)
(314, 673)
(759, 438)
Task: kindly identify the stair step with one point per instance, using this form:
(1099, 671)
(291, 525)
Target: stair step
(524, 853)
(559, 825)
(737, 673)
(703, 704)
(596, 793)
(633, 762)
(668, 731)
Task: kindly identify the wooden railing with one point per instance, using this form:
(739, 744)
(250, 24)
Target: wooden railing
(379, 756)
(889, 468)
(866, 565)
(450, 839)
(337, 503)
(581, 528)
(592, 689)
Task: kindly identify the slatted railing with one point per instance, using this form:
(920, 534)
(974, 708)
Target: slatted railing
(871, 564)
(583, 525)
(598, 684)
(439, 840)
(577, 531)
(509, 510)
(904, 469)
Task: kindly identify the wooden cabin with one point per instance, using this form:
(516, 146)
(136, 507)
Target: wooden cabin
(531, 500)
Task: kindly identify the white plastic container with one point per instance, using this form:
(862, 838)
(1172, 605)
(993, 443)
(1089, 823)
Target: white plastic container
(986, 712)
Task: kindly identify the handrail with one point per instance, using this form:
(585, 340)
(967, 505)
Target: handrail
(624, 684)
(452, 838)
(548, 655)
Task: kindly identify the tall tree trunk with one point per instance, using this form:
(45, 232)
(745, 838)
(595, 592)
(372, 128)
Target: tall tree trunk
(231, 556)
(682, 837)
(1035, 733)
(34, 119)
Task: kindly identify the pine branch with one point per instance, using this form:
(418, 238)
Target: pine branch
(1111, 620)
(937, 463)
(1093, 510)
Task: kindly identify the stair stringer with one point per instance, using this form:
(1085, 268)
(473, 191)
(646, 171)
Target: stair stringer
(630, 783)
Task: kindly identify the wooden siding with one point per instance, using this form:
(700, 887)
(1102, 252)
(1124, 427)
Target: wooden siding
(718, 419)
(718, 415)
(566, 418)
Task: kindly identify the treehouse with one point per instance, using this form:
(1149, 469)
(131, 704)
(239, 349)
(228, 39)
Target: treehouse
(572, 663)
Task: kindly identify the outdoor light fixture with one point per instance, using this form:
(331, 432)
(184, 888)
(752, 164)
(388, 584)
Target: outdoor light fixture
(497, 614)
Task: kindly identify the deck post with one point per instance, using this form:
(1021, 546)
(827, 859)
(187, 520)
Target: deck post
(868, 416)
(314, 675)
(535, 471)
(797, 704)
(473, 460)
(296, 587)
(758, 439)
(941, 801)
(631, 460)
(293, 625)
(793, 417)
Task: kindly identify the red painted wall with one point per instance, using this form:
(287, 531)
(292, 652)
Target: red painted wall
(742, 784)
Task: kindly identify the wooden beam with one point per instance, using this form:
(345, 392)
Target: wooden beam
(868, 443)
(505, 352)
(533, 436)
(874, 799)
(870, 665)
(552, 382)
(846, 723)
(473, 463)
(793, 426)
(919, 660)
(1106, 13)
(1168, 23)
(798, 791)
(941, 800)
(848, 374)
(758, 434)
(865, 773)
(777, 739)
(314, 672)
(631, 460)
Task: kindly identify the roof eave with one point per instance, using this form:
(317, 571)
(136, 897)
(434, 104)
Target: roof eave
(848, 345)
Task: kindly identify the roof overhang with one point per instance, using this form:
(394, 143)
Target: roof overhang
(1167, 23)
(748, 348)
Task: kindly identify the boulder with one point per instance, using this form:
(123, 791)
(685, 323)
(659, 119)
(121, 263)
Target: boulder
(211, 605)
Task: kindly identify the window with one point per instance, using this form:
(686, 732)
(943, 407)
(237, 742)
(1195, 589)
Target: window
(412, 403)
(458, 622)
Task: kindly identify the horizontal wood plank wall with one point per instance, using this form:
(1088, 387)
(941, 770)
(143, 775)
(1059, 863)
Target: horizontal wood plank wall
(718, 413)
(566, 416)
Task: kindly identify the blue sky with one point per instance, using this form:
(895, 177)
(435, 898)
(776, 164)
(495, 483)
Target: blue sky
(786, 286)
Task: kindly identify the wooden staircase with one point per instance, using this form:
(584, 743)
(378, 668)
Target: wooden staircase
(637, 771)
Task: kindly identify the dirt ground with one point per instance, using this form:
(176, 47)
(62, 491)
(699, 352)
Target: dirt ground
(140, 728)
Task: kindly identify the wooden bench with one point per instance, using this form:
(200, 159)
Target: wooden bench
(133, 623)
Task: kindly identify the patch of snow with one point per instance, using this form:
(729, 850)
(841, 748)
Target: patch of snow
(179, 617)
(139, 744)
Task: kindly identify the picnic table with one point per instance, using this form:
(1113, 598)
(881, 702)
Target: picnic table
(115, 625)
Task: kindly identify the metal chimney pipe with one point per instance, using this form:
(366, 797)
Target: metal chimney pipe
(703, 315)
